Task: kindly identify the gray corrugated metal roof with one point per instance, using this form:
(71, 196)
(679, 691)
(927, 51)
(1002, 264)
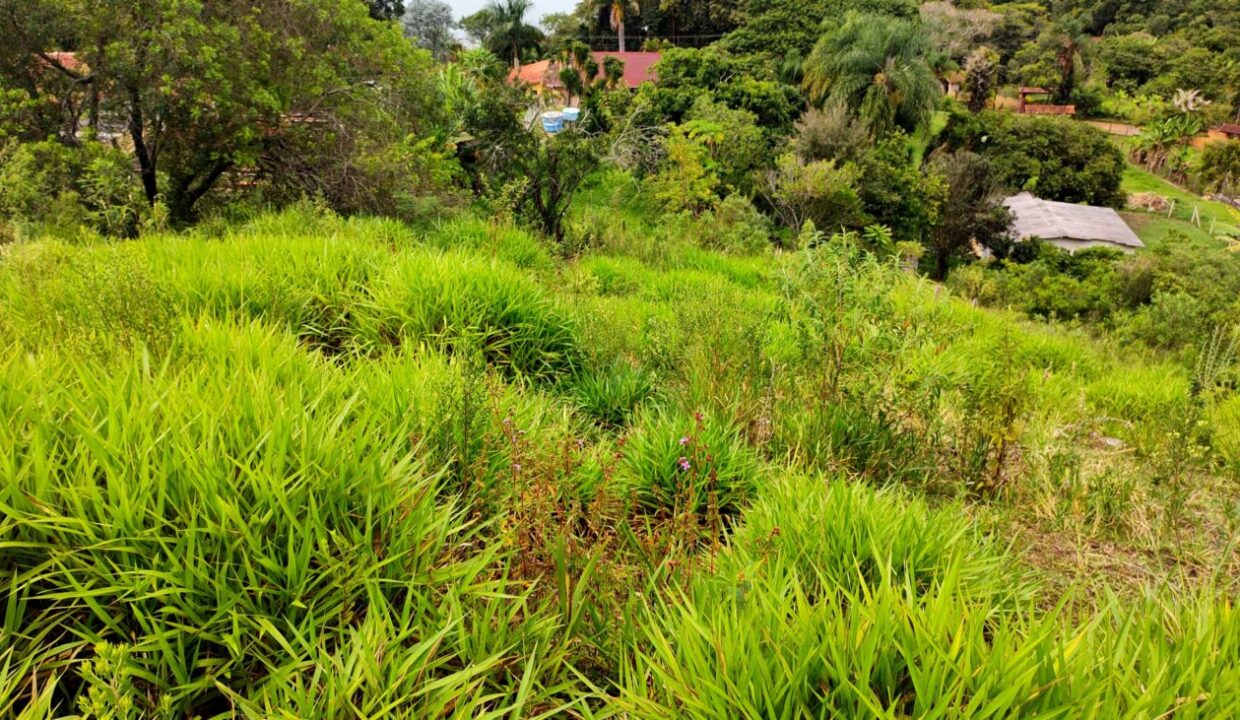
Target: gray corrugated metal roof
(1051, 220)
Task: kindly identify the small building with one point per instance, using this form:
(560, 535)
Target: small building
(1070, 227)
(544, 75)
(1230, 131)
(1041, 107)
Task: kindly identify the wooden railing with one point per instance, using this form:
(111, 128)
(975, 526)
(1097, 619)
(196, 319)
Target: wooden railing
(1032, 109)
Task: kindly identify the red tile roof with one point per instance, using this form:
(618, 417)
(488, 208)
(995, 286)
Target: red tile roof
(67, 60)
(1230, 129)
(638, 66)
(638, 69)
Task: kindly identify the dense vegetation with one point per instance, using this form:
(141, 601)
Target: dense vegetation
(332, 386)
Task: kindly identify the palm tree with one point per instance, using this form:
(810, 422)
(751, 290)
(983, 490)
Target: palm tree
(1070, 37)
(508, 29)
(617, 10)
(875, 66)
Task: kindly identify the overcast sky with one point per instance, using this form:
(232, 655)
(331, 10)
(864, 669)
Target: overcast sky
(461, 8)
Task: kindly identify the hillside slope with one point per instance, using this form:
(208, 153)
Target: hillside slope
(314, 467)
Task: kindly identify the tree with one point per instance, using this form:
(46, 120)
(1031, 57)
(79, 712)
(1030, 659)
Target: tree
(547, 170)
(697, 20)
(204, 89)
(787, 28)
(1130, 60)
(429, 24)
(980, 69)
(561, 31)
(956, 31)
(741, 83)
(617, 13)
(506, 31)
(971, 215)
(876, 66)
(1051, 61)
(1220, 167)
(1054, 158)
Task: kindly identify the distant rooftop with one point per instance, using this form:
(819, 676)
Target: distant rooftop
(1051, 221)
(638, 69)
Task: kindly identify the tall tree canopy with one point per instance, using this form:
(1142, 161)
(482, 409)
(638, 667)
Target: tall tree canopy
(429, 24)
(876, 66)
(200, 88)
(503, 28)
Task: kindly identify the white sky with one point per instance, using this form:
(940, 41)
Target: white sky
(461, 8)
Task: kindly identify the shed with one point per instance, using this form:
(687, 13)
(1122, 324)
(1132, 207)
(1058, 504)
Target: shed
(1070, 227)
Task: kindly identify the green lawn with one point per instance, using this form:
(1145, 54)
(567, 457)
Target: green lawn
(1153, 228)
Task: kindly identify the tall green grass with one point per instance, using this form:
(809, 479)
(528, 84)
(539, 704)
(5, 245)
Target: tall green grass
(318, 467)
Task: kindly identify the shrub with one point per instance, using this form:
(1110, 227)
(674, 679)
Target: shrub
(733, 226)
(612, 394)
(1219, 169)
(454, 298)
(1053, 158)
(677, 462)
(821, 192)
(60, 187)
(831, 133)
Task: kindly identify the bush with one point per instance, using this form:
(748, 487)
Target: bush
(677, 462)
(734, 226)
(62, 188)
(820, 192)
(831, 133)
(1054, 158)
(1219, 168)
(612, 394)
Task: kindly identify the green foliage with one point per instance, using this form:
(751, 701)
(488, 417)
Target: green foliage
(62, 189)
(1219, 168)
(820, 192)
(876, 66)
(501, 27)
(677, 462)
(713, 153)
(545, 172)
(971, 215)
(787, 28)
(687, 181)
(740, 82)
(318, 97)
(1053, 158)
(612, 394)
(320, 466)
(291, 539)
(831, 133)
(1130, 60)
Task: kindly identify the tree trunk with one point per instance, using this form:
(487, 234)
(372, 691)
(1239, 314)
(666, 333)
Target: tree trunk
(620, 33)
(146, 158)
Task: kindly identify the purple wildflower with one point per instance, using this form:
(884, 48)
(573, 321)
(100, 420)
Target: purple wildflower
(683, 462)
(684, 441)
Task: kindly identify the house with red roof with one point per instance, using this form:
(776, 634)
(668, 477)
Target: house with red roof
(544, 75)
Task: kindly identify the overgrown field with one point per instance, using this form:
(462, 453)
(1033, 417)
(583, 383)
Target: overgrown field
(310, 467)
